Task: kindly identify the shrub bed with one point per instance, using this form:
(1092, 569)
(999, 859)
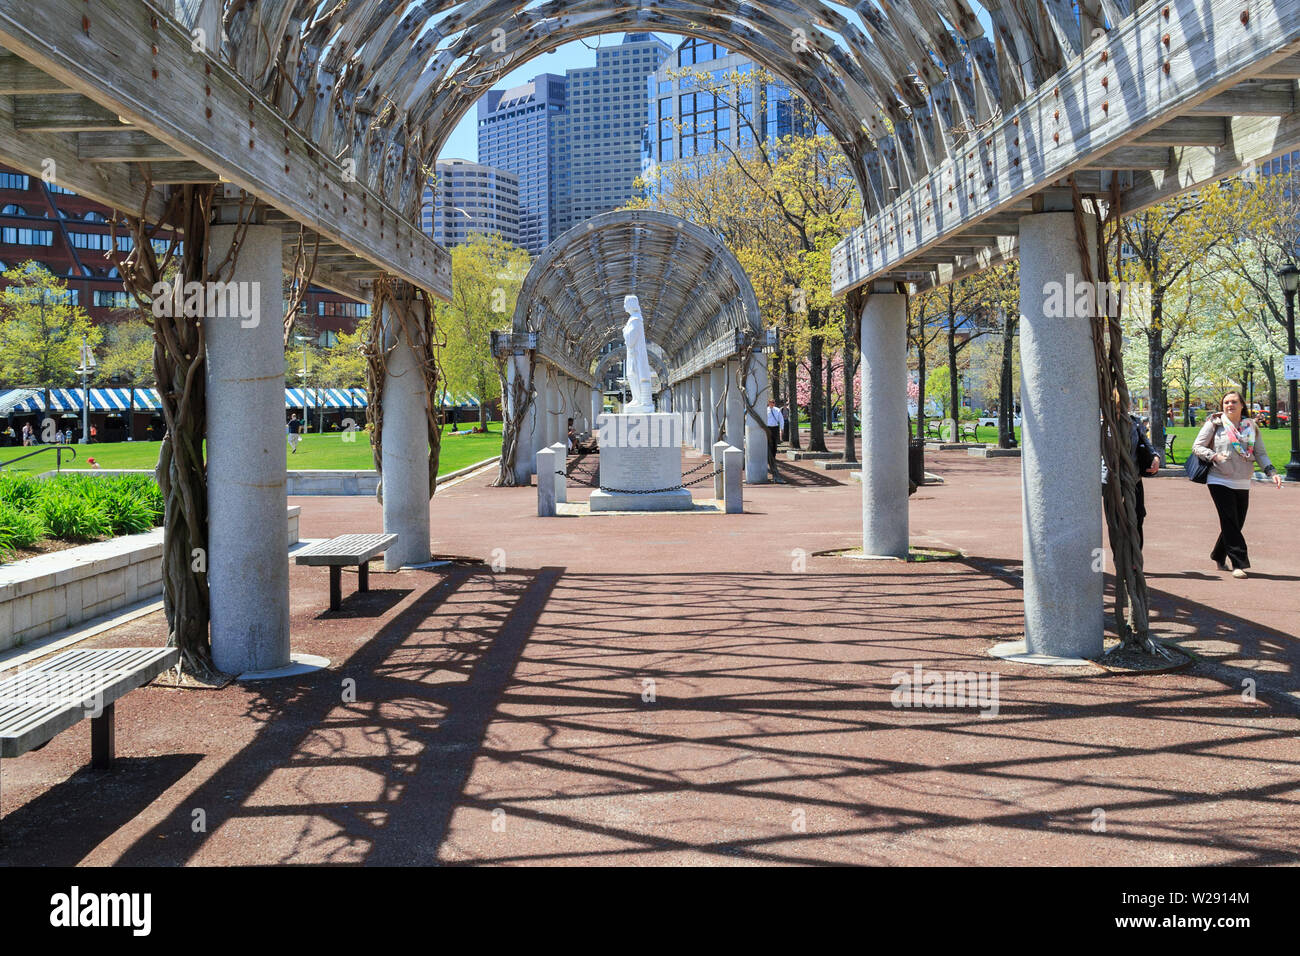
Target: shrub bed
(75, 508)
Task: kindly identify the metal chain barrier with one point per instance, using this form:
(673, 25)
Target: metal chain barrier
(590, 481)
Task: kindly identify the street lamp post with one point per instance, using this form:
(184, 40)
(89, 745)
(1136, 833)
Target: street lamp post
(1290, 277)
(306, 416)
(87, 363)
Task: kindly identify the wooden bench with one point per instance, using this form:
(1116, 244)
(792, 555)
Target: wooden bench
(933, 429)
(966, 431)
(346, 549)
(40, 702)
(1169, 449)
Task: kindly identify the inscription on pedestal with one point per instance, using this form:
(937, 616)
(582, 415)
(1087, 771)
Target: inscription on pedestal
(640, 452)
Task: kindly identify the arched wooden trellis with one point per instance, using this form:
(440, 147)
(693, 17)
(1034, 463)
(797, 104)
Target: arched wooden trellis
(699, 306)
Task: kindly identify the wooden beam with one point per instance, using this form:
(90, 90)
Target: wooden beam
(135, 60)
(122, 146)
(1246, 101)
(1186, 131)
(54, 155)
(1131, 157)
(18, 77)
(1288, 69)
(1252, 140)
(62, 113)
(1127, 83)
(177, 173)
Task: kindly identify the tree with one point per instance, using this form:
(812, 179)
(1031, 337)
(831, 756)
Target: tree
(1165, 247)
(127, 354)
(487, 273)
(923, 331)
(780, 207)
(41, 329)
(1262, 215)
(343, 364)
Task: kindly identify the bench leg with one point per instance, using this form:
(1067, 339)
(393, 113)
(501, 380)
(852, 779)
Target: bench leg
(336, 587)
(103, 739)
(363, 576)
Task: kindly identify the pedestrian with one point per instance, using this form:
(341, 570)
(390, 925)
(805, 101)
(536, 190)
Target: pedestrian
(1148, 463)
(775, 421)
(571, 436)
(1232, 445)
(294, 433)
(28, 437)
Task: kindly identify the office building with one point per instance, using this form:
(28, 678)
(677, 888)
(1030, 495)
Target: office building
(686, 123)
(515, 132)
(470, 199)
(606, 119)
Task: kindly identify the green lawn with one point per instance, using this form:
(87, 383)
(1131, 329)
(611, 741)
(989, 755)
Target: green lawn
(1276, 440)
(328, 451)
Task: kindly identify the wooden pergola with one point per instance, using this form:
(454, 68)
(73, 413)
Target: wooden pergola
(969, 128)
(701, 320)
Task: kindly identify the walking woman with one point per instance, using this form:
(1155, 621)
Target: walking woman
(1232, 445)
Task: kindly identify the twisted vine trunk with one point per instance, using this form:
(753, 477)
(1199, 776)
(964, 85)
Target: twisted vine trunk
(520, 398)
(1119, 492)
(400, 300)
(180, 369)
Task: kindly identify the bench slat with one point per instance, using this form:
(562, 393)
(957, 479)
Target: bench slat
(41, 701)
(345, 549)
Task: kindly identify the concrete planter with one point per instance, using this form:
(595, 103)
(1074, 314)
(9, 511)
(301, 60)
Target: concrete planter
(42, 595)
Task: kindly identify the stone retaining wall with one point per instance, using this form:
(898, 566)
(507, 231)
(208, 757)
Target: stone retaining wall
(42, 595)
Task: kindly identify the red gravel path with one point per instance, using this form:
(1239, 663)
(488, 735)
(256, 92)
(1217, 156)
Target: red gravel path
(506, 717)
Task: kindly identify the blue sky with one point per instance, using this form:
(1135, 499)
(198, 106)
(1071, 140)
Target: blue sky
(463, 142)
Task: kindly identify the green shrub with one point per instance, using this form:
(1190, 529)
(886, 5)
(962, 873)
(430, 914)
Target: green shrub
(71, 517)
(18, 529)
(19, 490)
(128, 513)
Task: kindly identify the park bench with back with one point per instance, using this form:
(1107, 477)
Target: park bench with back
(346, 550)
(1169, 449)
(41, 701)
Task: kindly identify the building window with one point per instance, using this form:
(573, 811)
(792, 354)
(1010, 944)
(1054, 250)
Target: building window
(27, 237)
(112, 300)
(13, 181)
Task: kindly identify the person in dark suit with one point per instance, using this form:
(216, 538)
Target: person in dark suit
(1148, 463)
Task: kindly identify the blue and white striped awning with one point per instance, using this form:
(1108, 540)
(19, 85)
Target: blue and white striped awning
(299, 398)
(459, 401)
(72, 399)
(26, 401)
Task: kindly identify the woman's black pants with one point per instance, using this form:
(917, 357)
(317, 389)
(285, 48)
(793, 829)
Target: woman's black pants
(1231, 504)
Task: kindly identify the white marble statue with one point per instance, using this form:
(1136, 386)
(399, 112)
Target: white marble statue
(637, 364)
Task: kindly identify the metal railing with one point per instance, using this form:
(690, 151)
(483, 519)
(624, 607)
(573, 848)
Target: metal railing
(58, 455)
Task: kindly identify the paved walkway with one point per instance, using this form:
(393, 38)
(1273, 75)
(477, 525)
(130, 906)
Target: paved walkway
(704, 688)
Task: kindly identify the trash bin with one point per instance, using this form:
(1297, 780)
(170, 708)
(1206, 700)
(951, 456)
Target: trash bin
(915, 463)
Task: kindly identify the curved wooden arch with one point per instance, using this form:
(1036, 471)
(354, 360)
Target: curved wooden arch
(901, 84)
(693, 291)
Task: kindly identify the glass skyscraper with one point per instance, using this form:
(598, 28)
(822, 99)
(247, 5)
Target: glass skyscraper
(685, 122)
(515, 133)
(573, 141)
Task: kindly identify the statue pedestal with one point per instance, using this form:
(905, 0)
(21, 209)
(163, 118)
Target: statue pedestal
(641, 464)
